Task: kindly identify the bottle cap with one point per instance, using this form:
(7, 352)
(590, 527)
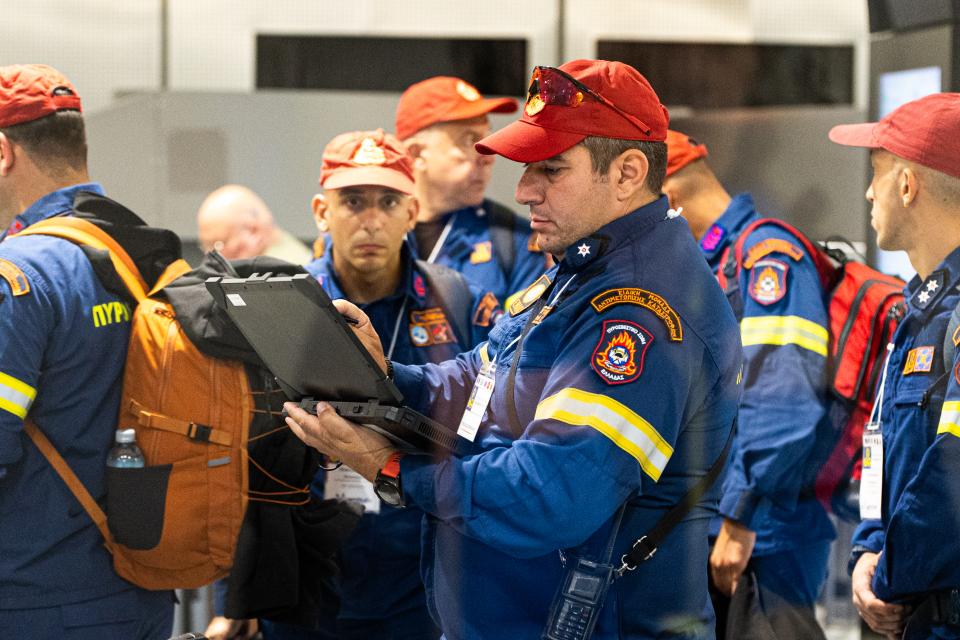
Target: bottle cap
(125, 436)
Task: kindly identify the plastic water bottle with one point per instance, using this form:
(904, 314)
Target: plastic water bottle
(125, 454)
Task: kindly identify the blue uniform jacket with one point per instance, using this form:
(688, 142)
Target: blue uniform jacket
(63, 342)
(468, 249)
(624, 392)
(921, 440)
(380, 573)
(783, 326)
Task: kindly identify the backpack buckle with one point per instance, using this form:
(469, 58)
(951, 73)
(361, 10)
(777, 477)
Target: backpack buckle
(199, 432)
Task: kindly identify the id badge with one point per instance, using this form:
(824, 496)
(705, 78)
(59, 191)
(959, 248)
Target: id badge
(871, 479)
(478, 402)
(346, 485)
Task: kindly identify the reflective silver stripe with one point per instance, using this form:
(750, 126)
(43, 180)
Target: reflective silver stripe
(15, 396)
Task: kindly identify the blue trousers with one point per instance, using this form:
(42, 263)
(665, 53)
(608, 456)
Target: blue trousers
(134, 614)
(414, 625)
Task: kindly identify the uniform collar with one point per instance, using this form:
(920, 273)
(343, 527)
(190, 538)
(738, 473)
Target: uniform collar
(587, 249)
(53, 204)
(739, 213)
(412, 283)
(924, 295)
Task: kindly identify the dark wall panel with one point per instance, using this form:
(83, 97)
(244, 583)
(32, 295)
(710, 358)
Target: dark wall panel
(494, 66)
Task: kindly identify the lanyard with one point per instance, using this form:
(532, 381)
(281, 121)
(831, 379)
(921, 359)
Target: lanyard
(442, 239)
(396, 329)
(877, 409)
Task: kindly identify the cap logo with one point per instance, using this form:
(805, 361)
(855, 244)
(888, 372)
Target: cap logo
(467, 92)
(534, 105)
(369, 153)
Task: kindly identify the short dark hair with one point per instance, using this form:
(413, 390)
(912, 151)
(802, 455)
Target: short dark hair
(55, 142)
(604, 151)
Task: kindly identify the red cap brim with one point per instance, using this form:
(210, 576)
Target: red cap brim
(373, 176)
(522, 141)
(855, 135)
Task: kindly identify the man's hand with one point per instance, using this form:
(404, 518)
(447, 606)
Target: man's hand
(364, 331)
(884, 618)
(730, 555)
(363, 450)
(221, 628)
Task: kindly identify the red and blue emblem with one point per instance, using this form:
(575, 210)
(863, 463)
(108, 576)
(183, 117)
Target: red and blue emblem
(768, 281)
(618, 357)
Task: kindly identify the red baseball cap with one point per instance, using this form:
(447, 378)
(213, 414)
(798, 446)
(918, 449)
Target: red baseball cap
(31, 91)
(618, 103)
(926, 131)
(366, 158)
(682, 150)
(444, 99)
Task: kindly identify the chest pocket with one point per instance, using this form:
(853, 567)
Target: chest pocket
(919, 399)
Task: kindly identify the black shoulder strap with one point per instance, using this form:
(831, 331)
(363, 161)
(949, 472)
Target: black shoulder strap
(503, 222)
(950, 339)
(644, 548)
(453, 292)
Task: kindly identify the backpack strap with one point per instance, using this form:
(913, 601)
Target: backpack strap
(86, 233)
(70, 478)
(503, 223)
(453, 293)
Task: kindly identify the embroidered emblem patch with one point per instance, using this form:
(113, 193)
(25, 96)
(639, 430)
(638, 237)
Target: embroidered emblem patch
(768, 281)
(642, 298)
(712, 238)
(956, 373)
(19, 285)
(483, 316)
(533, 243)
(482, 252)
(521, 301)
(618, 357)
(919, 360)
(956, 336)
(467, 92)
(429, 327)
(369, 153)
(768, 246)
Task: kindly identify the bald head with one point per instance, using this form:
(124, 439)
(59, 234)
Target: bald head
(235, 221)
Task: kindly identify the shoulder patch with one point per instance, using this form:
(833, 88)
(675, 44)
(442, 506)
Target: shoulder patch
(956, 336)
(429, 327)
(919, 360)
(482, 317)
(712, 238)
(618, 356)
(482, 252)
(19, 285)
(771, 245)
(642, 298)
(768, 281)
(519, 302)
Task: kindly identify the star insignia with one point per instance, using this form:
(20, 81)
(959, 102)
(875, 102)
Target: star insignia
(932, 286)
(923, 297)
(583, 250)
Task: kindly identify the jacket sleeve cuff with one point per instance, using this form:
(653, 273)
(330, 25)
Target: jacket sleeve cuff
(410, 380)
(417, 480)
(745, 507)
(855, 553)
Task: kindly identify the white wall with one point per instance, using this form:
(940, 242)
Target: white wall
(112, 46)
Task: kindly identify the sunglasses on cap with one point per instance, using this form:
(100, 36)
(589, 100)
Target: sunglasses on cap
(551, 86)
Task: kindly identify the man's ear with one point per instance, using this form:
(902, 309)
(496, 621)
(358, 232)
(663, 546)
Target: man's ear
(6, 155)
(670, 190)
(413, 209)
(908, 184)
(319, 205)
(630, 173)
(415, 149)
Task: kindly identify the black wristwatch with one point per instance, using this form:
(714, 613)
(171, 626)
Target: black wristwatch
(387, 485)
(389, 370)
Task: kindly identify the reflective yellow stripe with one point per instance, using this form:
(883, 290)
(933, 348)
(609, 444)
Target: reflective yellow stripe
(783, 330)
(484, 356)
(15, 396)
(626, 429)
(950, 419)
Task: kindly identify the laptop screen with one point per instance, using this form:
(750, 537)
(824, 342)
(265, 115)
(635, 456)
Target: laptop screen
(293, 326)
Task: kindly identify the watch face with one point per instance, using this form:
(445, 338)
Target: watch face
(389, 492)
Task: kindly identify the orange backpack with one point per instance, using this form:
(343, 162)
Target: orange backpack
(173, 523)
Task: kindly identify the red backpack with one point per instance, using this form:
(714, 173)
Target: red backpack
(864, 307)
